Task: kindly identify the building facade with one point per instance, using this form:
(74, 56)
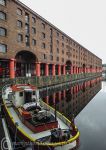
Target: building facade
(30, 45)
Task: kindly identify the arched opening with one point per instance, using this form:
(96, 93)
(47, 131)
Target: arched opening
(25, 63)
(68, 67)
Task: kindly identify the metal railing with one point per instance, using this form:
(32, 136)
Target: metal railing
(44, 81)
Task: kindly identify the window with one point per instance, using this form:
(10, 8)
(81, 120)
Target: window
(51, 31)
(33, 92)
(3, 48)
(33, 20)
(19, 24)
(2, 15)
(33, 42)
(57, 50)
(70, 42)
(62, 37)
(3, 31)
(67, 40)
(57, 58)
(43, 45)
(57, 34)
(19, 11)
(62, 44)
(57, 42)
(44, 56)
(43, 25)
(27, 40)
(33, 30)
(27, 17)
(27, 28)
(62, 51)
(20, 38)
(43, 35)
(3, 2)
(21, 94)
(51, 57)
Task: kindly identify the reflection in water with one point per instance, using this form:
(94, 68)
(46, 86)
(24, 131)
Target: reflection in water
(104, 87)
(92, 123)
(72, 99)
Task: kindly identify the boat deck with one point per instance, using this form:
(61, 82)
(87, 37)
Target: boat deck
(26, 130)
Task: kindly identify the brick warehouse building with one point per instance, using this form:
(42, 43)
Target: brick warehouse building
(30, 45)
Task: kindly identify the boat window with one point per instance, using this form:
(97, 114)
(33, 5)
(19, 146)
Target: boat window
(21, 94)
(28, 96)
(10, 96)
(33, 92)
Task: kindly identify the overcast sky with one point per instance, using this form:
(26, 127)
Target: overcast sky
(83, 20)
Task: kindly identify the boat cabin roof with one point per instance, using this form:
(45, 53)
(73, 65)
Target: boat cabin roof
(30, 105)
(22, 87)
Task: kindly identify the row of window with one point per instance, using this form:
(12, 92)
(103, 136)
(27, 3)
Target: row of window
(67, 40)
(3, 32)
(27, 40)
(19, 24)
(43, 45)
(58, 43)
(51, 58)
(27, 18)
(43, 35)
(70, 42)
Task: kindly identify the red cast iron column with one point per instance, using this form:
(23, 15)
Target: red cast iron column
(64, 69)
(53, 70)
(46, 69)
(38, 69)
(12, 68)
